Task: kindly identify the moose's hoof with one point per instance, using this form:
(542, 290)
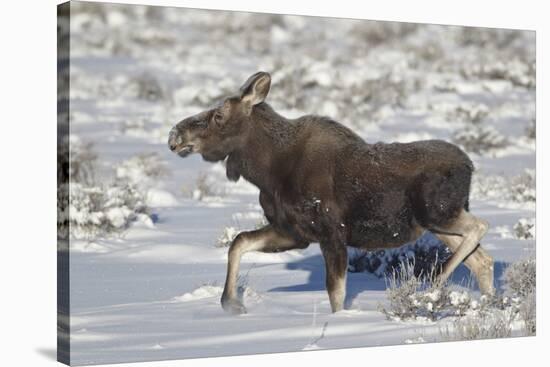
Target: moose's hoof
(486, 283)
(233, 306)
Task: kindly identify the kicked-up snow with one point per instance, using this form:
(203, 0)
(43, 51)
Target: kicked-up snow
(205, 291)
(148, 264)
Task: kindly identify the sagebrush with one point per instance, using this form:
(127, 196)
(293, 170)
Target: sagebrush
(104, 203)
(412, 297)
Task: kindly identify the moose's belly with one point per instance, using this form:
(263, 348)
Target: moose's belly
(366, 233)
(382, 221)
(390, 223)
(378, 234)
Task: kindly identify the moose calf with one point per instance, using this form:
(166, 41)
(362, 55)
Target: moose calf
(320, 182)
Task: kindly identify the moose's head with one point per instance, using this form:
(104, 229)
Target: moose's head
(217, 132)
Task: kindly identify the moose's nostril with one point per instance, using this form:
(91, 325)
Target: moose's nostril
(172, 143)
(173, 140)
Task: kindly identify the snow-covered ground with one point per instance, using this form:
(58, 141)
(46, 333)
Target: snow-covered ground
(151, 291)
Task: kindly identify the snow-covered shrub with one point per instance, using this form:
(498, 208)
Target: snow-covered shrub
(497, 316)
(153, 38)
(520, 277)
(412, 297)
(147, 87)
(76, 164)
(205, 186)
(401, 292)
(141, 170)
(517, 72)
(517, 189)
(227, 237)
(100, 210)
(387, 90)
(469, 112)
(102, 32)
(480, 139)
(250, 28)
(486, 37)
(528, 313)
(377, 33)
(523, 187)
(83, 161)
(108, 205)
(520, 286)
(374, 98)
(481, 325)
(291, 79)
(525, 229)
(424, 256)
(429, 52)
(145, 172)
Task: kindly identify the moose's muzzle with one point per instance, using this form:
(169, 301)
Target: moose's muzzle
(177, 145)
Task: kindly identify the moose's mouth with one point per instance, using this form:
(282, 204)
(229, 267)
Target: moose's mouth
(185, 151)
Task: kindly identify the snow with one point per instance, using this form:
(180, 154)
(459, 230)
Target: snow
(415, 340)
(160, 198)
(205, 291)
(117, 216)
(152, 291)
(459, 298)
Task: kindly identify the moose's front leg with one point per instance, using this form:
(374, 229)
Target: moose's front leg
(336, 265)
(266, 239)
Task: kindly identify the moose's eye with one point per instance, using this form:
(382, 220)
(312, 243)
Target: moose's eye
(218, 117)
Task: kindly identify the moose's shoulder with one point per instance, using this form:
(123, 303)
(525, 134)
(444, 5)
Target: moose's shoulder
(318, 125)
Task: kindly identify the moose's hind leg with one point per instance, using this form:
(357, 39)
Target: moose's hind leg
(472, 230)
(479, 262)
(266, 239)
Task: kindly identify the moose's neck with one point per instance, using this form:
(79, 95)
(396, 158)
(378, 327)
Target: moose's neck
(264, 158)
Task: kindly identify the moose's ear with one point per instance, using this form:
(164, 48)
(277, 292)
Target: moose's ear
(256, 88)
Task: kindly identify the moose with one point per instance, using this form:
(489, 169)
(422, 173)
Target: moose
(321, 183)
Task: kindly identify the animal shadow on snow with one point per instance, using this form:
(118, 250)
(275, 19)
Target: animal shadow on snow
(360, 282)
